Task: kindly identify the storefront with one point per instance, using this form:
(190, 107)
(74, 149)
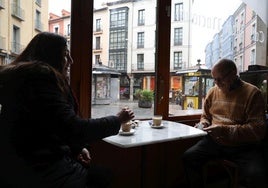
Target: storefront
(195, 85)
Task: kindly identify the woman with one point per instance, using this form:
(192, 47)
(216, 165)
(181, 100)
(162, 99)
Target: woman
(46, 130)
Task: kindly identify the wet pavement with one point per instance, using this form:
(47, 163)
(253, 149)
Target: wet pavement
(140, 113)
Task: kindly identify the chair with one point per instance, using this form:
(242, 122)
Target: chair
(219, 168)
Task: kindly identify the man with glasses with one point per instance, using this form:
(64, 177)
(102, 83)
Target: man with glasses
(234, 118)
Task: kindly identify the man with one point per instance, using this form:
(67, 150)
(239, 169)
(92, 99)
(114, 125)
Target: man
(234, 118)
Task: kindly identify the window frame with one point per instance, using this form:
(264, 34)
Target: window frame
(81, 74)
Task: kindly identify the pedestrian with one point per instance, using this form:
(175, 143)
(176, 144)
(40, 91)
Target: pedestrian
(41, 117)
(234, 119)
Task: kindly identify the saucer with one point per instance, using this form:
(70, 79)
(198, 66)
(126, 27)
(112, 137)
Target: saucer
(131, 132)
(157, 126)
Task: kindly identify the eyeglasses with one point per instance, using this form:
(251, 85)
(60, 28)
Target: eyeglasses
(222, 78)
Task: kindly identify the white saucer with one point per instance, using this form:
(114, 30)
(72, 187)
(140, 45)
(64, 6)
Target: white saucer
(131, 132)
(157, 126)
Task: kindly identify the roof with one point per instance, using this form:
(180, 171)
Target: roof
(102, 69)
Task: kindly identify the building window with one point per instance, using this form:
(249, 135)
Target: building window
(98, 43)
(117, 39)
(119, 60)
(140, 61)
(38, 2)
(253, 33)
(118, 36)
(98, 24)
(178, 36)
(38, 23)
(141, 17)
(16, 46)
(56, 29)
(118, 18)
(177, 60)
(140, 41)
(252, 57)
(68, 29)
(97, 59)
(178, 12)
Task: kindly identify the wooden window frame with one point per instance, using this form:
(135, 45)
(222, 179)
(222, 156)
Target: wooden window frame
(81, 44)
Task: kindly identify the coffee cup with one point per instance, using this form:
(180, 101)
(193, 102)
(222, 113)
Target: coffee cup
(157, 120)
(126, 127)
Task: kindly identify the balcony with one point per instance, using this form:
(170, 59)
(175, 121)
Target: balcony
(2, 43)
(16, 47)
(2, 4)
(98, 31)
(97, 49)
(38, 25)
(18, 12)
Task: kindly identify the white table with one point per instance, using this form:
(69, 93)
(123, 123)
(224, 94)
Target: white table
(145, 134)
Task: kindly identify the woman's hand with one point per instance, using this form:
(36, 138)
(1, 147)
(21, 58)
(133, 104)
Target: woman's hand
(125, 115)
(84, 157)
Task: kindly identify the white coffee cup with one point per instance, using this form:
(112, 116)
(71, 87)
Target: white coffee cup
(157, 120)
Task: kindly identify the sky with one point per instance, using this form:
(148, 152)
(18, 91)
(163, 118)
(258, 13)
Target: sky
(208, 20)
(209, 15)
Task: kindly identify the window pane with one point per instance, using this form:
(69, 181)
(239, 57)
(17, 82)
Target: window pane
(200, 36)
(124, 46)
(127, 57)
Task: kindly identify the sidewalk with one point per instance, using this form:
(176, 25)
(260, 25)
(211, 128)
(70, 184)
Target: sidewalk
(113, 108)
(140, 113)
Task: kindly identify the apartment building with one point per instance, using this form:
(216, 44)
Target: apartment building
(242, 39)
(60, 24)
(20, 20)
(132, 44)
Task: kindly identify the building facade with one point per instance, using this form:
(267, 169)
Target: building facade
(20, 20)
(243, 39)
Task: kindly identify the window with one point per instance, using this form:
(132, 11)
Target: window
(38, 2)
(38, 23)
(141, 17)
(98, 39)
(97, 59)
(119, 59)
(118, 38)
(17, 11)
(98, 24)
(140, 41)
(68, 29)
(177, 60)
(118, 18)
(178, 12)
(56, 29)
(16, 46)
(121, 35)
(252, 57)
(140, 61)
(178, 36)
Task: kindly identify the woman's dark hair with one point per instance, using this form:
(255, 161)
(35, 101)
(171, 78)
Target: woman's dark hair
(45, 47)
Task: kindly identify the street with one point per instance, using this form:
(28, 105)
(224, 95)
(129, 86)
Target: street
(140, 113)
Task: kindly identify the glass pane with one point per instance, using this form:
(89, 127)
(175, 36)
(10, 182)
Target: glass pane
(123, 54)
(123, 57)
(200, 36)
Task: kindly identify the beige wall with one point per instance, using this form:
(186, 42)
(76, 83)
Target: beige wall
(26, 24)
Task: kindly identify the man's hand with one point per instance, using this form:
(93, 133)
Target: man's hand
(84, 157)
(125, 115)
(214, 130)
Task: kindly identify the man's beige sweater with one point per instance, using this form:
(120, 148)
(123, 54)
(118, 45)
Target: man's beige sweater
(240, 114)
